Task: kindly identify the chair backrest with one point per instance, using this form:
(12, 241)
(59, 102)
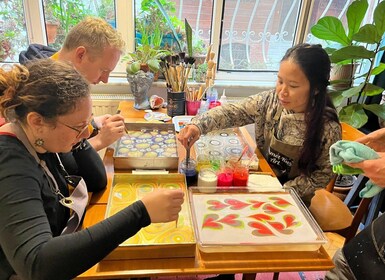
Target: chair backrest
(333, 215)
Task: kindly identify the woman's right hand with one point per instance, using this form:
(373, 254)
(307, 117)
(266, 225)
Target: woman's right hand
(189, 135)
(163, 205)
(374, 140)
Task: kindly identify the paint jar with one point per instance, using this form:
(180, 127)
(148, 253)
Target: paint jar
(203, 161)
(188, 168)
(216, 162)
(225, 177)
(240, 175)
(214, 104)
(192, 107)
(207, 180)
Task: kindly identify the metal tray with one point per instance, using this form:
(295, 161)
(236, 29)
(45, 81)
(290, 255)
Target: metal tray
(239, 220)
(147, 146)
(160, 240)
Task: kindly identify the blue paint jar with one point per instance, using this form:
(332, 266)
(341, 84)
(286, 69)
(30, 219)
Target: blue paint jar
(189, 170)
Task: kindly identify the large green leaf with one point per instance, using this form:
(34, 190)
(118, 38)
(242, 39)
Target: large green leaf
(188, 37)
(377, 109)
(367, 34)
(355, 14)
(378, 69)
(354, 115)
(351, 52)
(379, 17)
(371, 90)
(337, 98)
(353, 91)
(331, 29)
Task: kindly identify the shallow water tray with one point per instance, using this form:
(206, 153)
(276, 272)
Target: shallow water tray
(147, 146)
(158, 240)
(237, 220)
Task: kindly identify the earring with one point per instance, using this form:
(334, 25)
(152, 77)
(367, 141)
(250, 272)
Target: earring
(39, 142)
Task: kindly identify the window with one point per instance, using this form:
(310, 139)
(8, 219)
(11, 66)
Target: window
(13, 33)
(197, 13)
(248, 37)
(61, 15)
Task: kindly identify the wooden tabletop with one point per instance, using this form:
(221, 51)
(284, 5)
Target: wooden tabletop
(202, 263)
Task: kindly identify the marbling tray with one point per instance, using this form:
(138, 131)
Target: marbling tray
(238, 220)
(147, 146)
(160, 240)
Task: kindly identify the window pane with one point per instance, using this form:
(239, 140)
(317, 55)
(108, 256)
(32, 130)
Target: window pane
(256, 34)
(197, 12)
(13, 34)
(61, 15)
(321, 8)
(337, 8)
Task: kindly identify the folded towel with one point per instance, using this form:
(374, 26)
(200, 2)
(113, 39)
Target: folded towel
(350, 151)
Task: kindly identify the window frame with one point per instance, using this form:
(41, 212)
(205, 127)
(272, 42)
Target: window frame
(125, 24)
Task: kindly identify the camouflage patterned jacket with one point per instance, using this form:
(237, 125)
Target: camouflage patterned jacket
(290, 128)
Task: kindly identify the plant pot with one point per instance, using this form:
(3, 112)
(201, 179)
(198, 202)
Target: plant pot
(140, 84)
(342, 73)
(51, 29)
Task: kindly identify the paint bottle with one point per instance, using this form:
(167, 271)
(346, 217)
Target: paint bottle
(188, 168)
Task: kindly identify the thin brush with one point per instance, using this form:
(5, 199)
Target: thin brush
(243, 153)
(125, 128)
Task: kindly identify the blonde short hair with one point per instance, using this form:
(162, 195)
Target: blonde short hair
(95, 34)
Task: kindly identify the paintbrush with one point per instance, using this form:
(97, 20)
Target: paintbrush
(242, 154)
(125, 128)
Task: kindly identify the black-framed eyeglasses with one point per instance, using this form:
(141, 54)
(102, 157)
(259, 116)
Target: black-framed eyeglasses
(80, 131)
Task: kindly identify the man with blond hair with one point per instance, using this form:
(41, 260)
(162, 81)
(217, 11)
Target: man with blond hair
(94, 48)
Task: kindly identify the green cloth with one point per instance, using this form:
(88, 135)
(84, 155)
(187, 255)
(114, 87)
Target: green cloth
(350, 151)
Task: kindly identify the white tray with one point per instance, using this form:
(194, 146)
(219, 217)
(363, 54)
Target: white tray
(239, 220)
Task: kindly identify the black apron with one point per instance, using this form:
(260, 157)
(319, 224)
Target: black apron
(282, 157)
(365, 253)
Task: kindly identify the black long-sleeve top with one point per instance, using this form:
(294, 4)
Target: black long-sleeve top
(31, 217)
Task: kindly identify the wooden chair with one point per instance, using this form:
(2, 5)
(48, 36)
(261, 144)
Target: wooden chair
(334, 215)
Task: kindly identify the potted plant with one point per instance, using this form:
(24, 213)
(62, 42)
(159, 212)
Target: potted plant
(161, 12)
(141, 66)
(354, 45)
(145, 58)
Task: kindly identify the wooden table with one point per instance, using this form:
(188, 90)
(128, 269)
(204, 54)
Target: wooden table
(203, 263)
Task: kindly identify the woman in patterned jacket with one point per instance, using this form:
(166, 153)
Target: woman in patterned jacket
(295, 123)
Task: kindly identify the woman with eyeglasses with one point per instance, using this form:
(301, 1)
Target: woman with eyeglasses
(47, 106)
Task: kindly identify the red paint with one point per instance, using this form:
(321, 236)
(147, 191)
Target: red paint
(216, 205)
(240, 176)
(236, 204)
(225, 179)
(214, 104)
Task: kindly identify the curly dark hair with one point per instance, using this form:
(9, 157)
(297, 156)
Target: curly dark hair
(50, 88)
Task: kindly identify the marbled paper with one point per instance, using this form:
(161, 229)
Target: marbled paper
(250, 218)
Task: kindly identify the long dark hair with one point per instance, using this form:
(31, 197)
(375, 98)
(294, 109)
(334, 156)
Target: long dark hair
(315, 63)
